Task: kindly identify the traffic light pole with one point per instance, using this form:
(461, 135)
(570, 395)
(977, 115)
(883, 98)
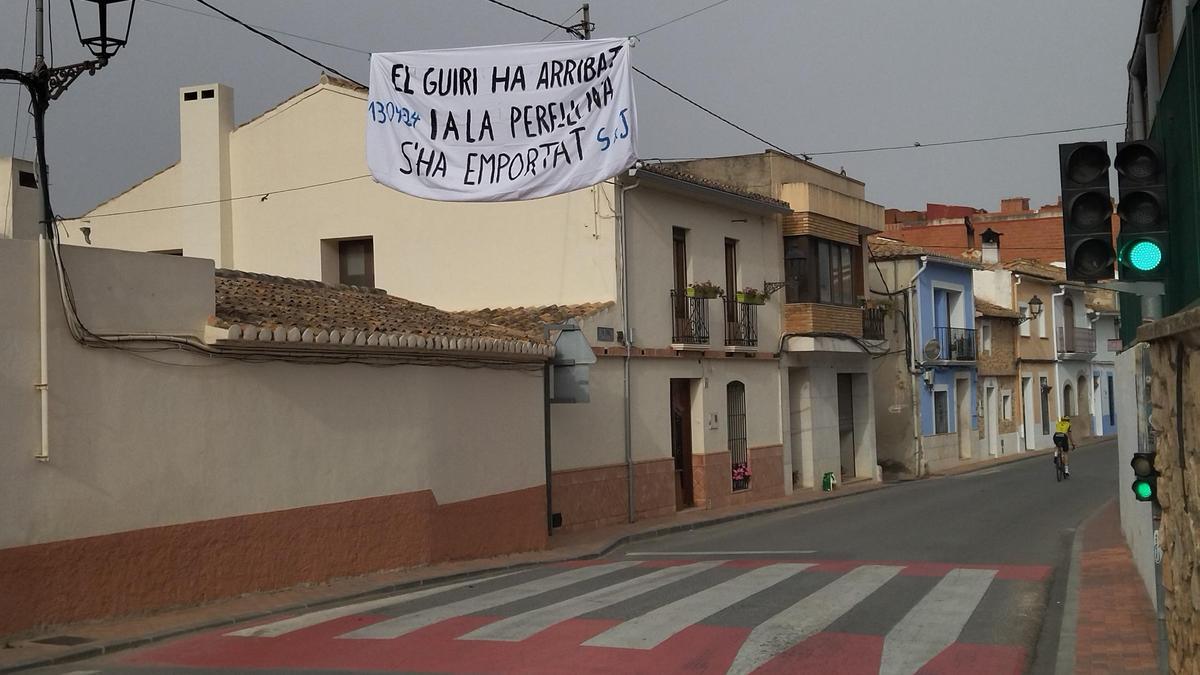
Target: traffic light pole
(1150, 293)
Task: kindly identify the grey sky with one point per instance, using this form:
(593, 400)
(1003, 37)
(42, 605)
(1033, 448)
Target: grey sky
(810, 75)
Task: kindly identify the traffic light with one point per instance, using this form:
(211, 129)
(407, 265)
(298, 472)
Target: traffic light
(1087, 211)
(1142, 186)
(1145, 481)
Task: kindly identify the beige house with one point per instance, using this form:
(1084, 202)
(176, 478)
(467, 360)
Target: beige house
(828, 338)
(686, 393)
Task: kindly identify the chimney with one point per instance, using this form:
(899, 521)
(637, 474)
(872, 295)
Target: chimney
(20, 199)
(205, 122)
(1014, 205)
(990, 240)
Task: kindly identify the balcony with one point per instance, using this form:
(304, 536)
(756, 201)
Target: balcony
(741, 324)
(1074, 340)
(873, 323)
(690, 319)
(801, 318)
(957, 344)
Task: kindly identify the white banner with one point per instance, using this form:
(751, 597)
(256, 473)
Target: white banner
(501, 123)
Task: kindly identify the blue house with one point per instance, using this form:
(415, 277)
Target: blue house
(925, 395)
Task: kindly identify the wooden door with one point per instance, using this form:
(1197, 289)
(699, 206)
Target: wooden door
(681, 441)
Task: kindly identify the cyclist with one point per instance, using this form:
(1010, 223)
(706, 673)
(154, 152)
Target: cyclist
(1064, 442)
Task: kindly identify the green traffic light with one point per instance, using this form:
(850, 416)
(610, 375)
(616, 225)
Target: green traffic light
(1143, 490)
(1144, 256)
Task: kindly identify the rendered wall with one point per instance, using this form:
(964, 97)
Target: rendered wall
(198, 478)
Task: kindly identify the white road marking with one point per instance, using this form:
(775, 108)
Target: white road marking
(530, 623)
(402, 625)
(285, 626)
(935, 622)
(673, 554)
(809, 616)
(653, 628)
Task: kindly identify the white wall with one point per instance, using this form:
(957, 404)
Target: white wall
(994, 286)
(136, 444)
(20, 206)
(1136, 517)
(813, 408)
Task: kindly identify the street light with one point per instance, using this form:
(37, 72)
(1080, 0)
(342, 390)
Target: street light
(1035, 310)
(102, 45)
(46, 84)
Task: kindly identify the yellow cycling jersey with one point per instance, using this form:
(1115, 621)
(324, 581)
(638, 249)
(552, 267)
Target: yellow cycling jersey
(1062, 427)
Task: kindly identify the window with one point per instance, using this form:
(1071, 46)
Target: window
(731, 289)
(941, 411)
(795, 269)
(1041, 322)
(1045, 386)
(739, 457)
(985, 332)
(1068, 400)
(356, 262)
(836, 280)
(1006, 405)
(1024, 312)
(679, 257)
(26, 179)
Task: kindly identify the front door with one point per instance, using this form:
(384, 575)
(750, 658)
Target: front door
(1027, 411)
(681, 441)
(993, 417)
(845, 384)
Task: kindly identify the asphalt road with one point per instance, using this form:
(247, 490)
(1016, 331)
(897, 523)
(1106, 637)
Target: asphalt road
(943, 575)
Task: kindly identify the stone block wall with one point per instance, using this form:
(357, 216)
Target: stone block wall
(1175, 422)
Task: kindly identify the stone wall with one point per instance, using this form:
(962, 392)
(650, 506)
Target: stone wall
(1175, 421)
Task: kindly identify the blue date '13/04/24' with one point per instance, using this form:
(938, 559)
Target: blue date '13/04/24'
(382, 112)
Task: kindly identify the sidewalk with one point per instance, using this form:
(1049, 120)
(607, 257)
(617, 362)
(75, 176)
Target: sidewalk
(91, 639)
(1116, 631)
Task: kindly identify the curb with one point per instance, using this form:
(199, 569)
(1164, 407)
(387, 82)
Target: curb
(102, 649)
(1068, 630)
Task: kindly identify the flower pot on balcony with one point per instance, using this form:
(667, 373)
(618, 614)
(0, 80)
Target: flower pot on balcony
(752, 298)
(705, 292)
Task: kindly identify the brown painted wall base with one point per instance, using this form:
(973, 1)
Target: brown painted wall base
(712, 474)
(598, 496)
(160, 567)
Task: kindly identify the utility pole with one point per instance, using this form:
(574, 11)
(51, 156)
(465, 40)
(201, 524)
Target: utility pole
(587, 21)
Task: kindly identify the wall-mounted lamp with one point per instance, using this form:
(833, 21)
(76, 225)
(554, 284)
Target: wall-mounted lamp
(1035, 310)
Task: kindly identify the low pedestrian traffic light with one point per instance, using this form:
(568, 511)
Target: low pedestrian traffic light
(1142, 186)
(1087, 211)
(1145, 482)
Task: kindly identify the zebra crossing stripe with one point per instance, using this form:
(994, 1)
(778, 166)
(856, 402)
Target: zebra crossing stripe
(935, 622)
(521, 626)
(809, 616)
(402, 625)
(655, 627)
(285, 626)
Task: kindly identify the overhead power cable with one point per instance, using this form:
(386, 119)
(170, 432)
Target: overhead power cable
(564, 21)
(680, 18)
(918, 144)
(277, 31)
(273, 39)
(261, 195)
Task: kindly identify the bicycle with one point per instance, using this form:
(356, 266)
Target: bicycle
(1059, 472)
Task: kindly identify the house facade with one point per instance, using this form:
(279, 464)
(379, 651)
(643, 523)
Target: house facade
(686, 391)
(1104, 315)
(926, 398)
(998, 392)
(828, 337)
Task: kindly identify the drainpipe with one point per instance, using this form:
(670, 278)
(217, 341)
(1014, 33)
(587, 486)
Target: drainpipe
(622, 222)
(914, 312)
(1062, 290)
(1017, 354)
(43, 383)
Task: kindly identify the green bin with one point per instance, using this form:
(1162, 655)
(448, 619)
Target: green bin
(828, 482)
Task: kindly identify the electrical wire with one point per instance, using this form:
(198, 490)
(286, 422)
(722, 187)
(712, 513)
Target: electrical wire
(229, 199)
(261, 27)
(564, 21)
(276, 41)
(680, 18)
(918, 144)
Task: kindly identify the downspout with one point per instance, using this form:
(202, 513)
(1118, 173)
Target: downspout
(1062, 290)
(43, 383)
(1025, 444)
(914, 373)
(622, 222)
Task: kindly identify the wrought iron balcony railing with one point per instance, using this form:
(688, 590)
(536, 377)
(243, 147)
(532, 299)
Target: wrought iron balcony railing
(690, 319)
(741, 324)
(958, 344)
(873, 323)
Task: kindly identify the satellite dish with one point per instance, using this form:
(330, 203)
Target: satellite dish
(933, 350)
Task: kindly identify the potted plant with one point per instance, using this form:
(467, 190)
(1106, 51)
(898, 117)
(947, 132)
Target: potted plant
(704, 289)
(741, 475)
(751, 296)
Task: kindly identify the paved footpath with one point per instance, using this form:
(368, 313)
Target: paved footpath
(1117, 628)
